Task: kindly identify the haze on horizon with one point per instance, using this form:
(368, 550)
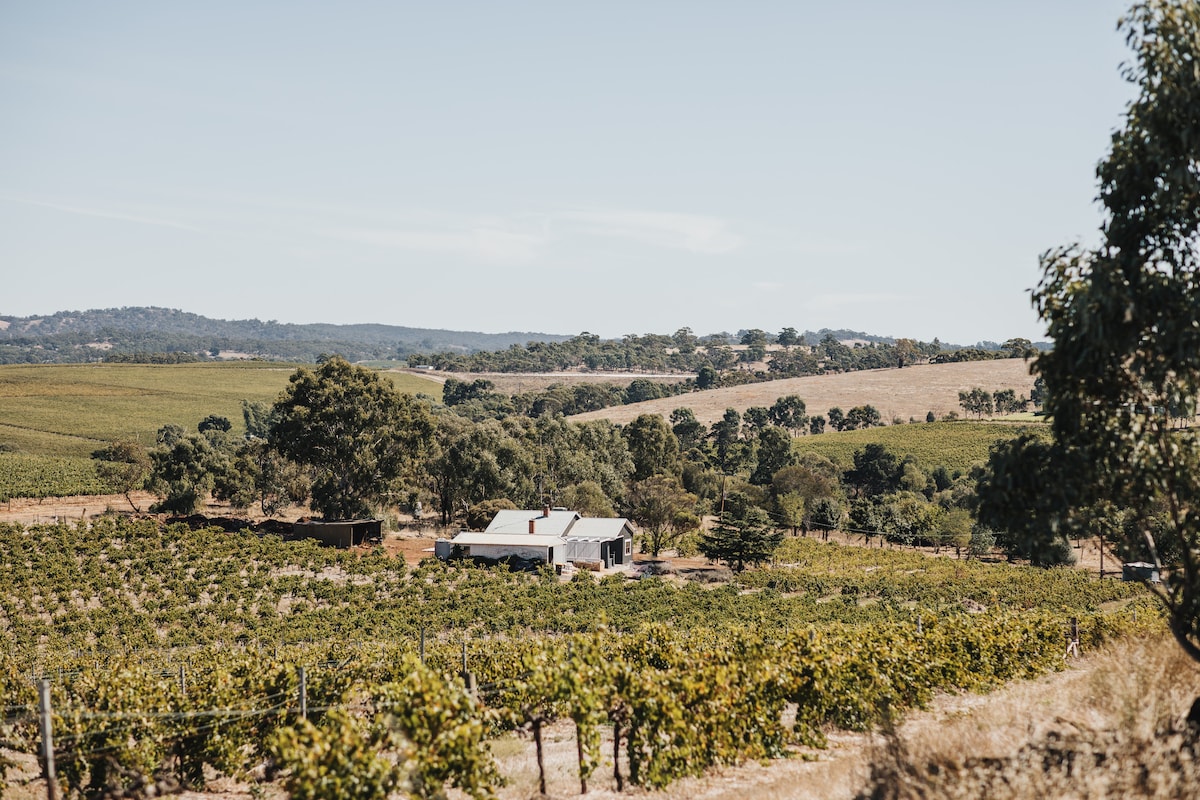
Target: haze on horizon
(617, 168)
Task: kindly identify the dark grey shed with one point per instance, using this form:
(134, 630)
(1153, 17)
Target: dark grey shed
(341, 533)
(1139, 571)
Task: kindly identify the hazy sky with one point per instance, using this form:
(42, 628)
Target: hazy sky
(616, 167)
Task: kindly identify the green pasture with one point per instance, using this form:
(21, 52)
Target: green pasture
(955, 445)
(69, 410)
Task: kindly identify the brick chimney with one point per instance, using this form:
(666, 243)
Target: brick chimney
(531, 523)
(546, 511)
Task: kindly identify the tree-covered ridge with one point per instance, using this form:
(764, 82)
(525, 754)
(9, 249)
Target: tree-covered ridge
(721, 359)
(163, 335)
(76, 336)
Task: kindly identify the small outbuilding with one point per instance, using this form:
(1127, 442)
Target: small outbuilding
(1139, 571)
(341, 533)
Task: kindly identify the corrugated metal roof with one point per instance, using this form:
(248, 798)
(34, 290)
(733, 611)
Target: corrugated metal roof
(517, 521)
(508, 539)
(598, 528)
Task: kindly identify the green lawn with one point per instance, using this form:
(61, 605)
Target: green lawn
(954, 445)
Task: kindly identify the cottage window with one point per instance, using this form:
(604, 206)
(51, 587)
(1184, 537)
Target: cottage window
(628, 546)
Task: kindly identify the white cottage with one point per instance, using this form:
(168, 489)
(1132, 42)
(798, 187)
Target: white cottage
(553, 535)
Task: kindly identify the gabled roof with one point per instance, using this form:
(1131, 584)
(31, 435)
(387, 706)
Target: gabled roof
(602, 528)
(516, 521)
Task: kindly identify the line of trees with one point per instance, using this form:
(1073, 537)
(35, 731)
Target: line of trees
(713, 358)
(981, 402)
(478, 398)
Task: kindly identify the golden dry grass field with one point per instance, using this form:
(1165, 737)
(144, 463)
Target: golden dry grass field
(906, 393)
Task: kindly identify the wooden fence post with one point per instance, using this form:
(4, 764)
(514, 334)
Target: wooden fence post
(48, 770)
(1073, 638)
(303, 692)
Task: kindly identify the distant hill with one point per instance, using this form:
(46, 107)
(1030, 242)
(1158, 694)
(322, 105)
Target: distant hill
(80, 336)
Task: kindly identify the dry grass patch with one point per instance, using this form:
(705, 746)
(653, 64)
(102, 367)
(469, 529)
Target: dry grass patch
(904, 393)
(1114, 730)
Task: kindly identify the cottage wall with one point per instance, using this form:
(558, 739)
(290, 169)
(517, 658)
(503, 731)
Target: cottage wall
(531, 553)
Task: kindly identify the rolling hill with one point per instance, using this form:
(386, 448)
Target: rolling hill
(72, 409)
(80, 336)
(906, 393)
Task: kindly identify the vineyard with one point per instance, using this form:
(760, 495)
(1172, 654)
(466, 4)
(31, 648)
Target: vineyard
(70, 410)
(954, 445)
(172, 654)
(40, 476)
(120, 584)
(52, 417)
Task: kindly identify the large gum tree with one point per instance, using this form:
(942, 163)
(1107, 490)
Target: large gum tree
(358, 436)
(1125, 320)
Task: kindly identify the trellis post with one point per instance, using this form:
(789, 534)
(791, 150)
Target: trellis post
(44, 727)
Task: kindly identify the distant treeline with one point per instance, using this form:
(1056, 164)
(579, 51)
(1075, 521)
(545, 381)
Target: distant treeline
(161, 335)
(478, 399)
(714, 359)
(152, 358)
(83, 336)
(173, 348)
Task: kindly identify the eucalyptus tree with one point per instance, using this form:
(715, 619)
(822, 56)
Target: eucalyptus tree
(1125, 319)
(124, 465)
(664, 510)
(182, 470)
(359, 437)
(790, 412)
(773, 453)
(652, 446)
(476, 462)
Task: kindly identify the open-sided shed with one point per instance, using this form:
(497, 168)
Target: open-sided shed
(341, 533)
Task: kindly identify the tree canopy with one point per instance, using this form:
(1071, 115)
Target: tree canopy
(355, 433)
(1125, 316)
(741, 541)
